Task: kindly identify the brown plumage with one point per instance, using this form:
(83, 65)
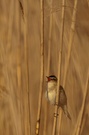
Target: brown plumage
(51, 94)
(63, 101)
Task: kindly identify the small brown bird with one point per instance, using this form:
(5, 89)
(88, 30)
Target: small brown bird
(51, 94)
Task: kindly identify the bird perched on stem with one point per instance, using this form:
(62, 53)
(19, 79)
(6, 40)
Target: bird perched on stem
(51, 94)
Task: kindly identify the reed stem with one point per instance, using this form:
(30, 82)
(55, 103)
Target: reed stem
(41, 67)
(59, 67)
(27, 92)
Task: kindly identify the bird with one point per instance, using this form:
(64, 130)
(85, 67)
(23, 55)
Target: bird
(50, 94)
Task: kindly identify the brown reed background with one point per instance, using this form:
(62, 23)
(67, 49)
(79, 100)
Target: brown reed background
(20, 66)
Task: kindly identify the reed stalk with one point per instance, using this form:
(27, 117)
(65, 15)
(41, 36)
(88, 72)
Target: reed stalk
(19, 70)
(88, 2)
(59, 67)
(8, 80)
(72, 30)
(21, 8)
(80, 117)
(10, 24)
(9, 90)
(71, 37)
(41, 67)
(48, 64)
(27, 91)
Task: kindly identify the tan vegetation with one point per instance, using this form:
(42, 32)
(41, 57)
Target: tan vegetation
(24, 36)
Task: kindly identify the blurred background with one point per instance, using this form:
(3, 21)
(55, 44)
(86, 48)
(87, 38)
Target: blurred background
(20, 66)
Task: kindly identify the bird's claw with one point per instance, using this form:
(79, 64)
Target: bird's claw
(56, 114)
(56, 104)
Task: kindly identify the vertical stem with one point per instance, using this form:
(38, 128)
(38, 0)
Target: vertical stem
(8, 81)
(9, 84)
(10, 24)
(41, 68)
(19, 75)
(50, 38)
(27, 92)
(59, 67)
(48, 64)
(72, 30)
(9, 92)
(80, 117)
(88, 2)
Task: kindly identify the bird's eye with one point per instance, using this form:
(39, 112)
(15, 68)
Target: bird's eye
(53, 78)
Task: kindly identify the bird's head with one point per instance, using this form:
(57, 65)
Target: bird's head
(51, 78)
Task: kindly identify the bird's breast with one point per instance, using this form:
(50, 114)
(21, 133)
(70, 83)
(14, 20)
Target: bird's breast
(51, 96)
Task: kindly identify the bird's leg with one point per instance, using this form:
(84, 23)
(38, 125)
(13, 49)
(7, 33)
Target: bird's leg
(56, 114)
(56, 104)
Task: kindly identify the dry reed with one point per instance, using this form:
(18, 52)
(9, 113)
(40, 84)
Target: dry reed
(21, 8)
(27, 92)
(80, 117)
(88, 2)
(19, 70)
(59, 67)
(41, 66)
(4, 52)
(10, 113)
(10, 24)
(48, 63)
(8, 84)
(72, 30)
(9, 91)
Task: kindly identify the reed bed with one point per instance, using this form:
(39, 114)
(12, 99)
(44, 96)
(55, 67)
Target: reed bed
(22, 62)
(72, 30)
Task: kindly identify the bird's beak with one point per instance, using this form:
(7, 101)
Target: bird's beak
(47, 78)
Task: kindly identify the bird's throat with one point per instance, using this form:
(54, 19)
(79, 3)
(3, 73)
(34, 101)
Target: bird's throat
(52, 85)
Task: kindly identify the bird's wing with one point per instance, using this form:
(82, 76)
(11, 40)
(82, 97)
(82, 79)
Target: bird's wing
(62, 97)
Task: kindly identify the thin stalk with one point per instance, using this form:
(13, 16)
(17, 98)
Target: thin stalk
(88, 2)
(18, 70)
(80, 117)
(82, 125)
(21, 8)
(10, 24)
(71, 37)
(72, 30)
(9, 90)
(8, 81)
(59, 67)
(41, 68)
(27, 92)
(12, 108)
(48, 63)
(50, 39)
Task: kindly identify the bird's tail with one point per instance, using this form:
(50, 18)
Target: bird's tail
(66, 112)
